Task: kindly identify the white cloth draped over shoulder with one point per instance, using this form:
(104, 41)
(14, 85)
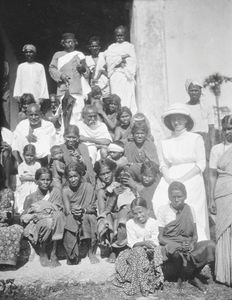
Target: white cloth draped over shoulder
(180, 154)
(99, 131)
(46, 137)
(66, 58)
(122, 78)
(103, 81)
(31, 78)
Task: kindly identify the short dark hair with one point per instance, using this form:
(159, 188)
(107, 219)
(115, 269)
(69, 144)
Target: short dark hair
(94, 39)
(227, 120)
(29, 147)
(176, 185)
(138, 201)
(78, 167)
(73, 128)
(42, 171)
(104, 163)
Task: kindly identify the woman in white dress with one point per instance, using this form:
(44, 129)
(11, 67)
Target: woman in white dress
(182, 158)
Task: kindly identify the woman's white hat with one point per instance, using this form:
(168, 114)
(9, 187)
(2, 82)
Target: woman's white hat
(177, 108)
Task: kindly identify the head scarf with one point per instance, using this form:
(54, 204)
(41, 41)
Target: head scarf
(114, 147)
(192, 81)
(29, 47)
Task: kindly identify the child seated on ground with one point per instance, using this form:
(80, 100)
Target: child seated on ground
(57, 166)
(115, 152)
(81, 220)
(26, 176)
(24, 101)
(138, 269)
(109, 115)
(123, 129)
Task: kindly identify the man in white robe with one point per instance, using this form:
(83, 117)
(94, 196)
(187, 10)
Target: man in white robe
(36, 131)
(93, 133)
(121, 65)
(31, 76)
(68, 68)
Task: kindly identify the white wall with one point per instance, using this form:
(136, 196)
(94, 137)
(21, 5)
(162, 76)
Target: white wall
(198, 35)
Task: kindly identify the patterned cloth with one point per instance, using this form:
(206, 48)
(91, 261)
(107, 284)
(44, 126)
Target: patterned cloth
(139, 271)
(10, 236)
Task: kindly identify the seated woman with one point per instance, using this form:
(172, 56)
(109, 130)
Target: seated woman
(75, 151)
(123, 129)
(140, 149)
(178, 236)
(43, 218)
(10, 235)
(81, 220)
(138, 269)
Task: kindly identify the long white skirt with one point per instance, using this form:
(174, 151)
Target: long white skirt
(196, 197)
(125, 89)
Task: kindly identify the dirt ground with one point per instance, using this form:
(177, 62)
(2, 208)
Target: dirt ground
(88, 282)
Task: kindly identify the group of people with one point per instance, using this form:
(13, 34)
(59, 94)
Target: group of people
(90, 174)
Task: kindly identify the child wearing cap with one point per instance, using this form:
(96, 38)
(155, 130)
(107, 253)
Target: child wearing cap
(30, 77)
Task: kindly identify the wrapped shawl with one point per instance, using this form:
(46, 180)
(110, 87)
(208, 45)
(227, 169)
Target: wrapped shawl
(223, 193)
(138, 155)
(43, 216)
(77, 229)
(181, 230)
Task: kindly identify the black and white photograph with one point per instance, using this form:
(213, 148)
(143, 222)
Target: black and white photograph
(115, 149)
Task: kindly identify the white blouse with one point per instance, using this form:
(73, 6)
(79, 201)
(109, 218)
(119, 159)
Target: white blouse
(142, 232)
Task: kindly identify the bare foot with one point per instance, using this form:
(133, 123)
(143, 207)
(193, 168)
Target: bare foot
(54, 263)
(44, 261)
(197, 283)
(112, 258)
(93, 259)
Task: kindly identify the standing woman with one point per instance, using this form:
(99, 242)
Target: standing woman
(182, 158)
(220, 165)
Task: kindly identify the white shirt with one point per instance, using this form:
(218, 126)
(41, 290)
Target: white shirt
(31, 79)
(202, 115)
(142, 232)
(216, 153)
(7, 136)
(46, 137)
